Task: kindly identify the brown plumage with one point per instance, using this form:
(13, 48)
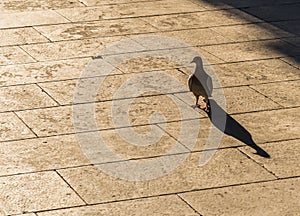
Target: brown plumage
(200, 83)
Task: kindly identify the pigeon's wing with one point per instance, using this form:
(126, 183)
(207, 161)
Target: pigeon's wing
(209, 85)
(196, 86)
(190, 82)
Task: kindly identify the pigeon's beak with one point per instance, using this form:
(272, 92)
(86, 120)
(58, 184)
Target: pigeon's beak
(192, 61)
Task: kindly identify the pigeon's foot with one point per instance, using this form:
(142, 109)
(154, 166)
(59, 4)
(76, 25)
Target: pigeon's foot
(207, 108)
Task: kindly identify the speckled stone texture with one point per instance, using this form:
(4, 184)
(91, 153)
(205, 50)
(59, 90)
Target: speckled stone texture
(68, 86)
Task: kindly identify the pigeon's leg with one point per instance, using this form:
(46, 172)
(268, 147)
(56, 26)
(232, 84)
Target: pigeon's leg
(196, 105)
(207, 106)
(197, 99)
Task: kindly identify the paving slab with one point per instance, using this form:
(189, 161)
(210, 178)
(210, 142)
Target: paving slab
(254, 50)
(41, 154)
(294, 41)
(77, 48)
(95, 29)
(258, 31)
(255, 72)
(202, 128)
(78, 14)
(270, 198)
(59, 120)
(199, 37)
(165, 7)
(35, 192)
(14, 55)
(128, 144)
(294, 61)
(212, 5)
(95, 186)
(13, 128)
(238, 100)
(134, 9)
(167, 105)
(272, 125)
(254, 3)
(160, 52)
(284, 160)
(42, 71)
(145, 63)
(49, 121)
(275, 12)
(200, 20)
(104, 2)
(29, 214)
(31, 5)
(284, 93)
(166, 205)
(24, 97)
(20, 36)
(22, 19)
(244, 99)
(57, 90)
(26, 214)
(64, 91)
(291, 26)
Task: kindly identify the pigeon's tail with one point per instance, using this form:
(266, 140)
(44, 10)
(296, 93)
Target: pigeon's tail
(209, 94)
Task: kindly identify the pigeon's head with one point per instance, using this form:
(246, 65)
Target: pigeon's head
(197, 60)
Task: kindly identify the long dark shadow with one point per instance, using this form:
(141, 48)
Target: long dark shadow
(235, 129)
(277, 13)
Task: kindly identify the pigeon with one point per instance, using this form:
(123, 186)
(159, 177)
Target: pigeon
(200, 83)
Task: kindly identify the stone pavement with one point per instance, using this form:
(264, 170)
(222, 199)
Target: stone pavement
(253, 49)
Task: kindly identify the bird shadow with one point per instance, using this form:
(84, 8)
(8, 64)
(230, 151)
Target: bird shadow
(233, 128)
